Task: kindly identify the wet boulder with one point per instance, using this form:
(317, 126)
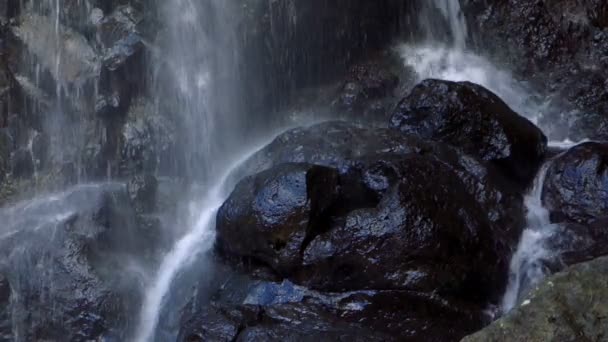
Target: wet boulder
(119, 37)
(270, 216)
(472, 118)
(569, 306)
(576, 184)
(82, 246)
(379, 173)
(427, 234)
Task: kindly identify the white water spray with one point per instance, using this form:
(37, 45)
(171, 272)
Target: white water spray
(451, 61)
(527, 264)
(198, 240)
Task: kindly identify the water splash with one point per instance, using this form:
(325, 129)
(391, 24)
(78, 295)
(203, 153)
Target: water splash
(527, 266)
(446, 63)
(188, 248)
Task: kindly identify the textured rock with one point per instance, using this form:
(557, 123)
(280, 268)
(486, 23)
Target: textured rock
(270, 216)
(283, 311)
(560, 47)
(427, 234)
(68, 261)
(576, 184)
(569, 306)
(375, 209)
(470, 117)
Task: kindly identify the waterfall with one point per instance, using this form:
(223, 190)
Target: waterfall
(446, 57)
(196, 78)
(198, 240)
(453, 15)
(527, 266)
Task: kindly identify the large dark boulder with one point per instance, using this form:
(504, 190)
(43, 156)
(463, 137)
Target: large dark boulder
(576, 184)
(69, 260)
(343, 145)
(472, 118)
(312, 223)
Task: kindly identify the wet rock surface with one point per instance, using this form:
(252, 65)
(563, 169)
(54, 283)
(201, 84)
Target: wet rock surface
(569, 306)
(559, 46)
(284, 311)
(576, 183)
(69, 270)
(338, 208)
(472, 118)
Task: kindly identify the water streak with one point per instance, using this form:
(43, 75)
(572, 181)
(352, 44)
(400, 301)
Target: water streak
(188, 248)
(527, 266)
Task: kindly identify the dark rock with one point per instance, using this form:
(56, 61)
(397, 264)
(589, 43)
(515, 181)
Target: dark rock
(559, 46)
(318, 47)
(378, 178)
(472, 118)
(23, 165)
(427, 234)
(82, 246)
(283, 311)
(369, 91)
(576, 184)
(569, 306)
(147, 141)
(142, 191)
(575, 242)
(276, 211)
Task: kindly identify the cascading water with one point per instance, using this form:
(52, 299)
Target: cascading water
(447, 58)
(450, 60)
(196, 77)
(528, 262)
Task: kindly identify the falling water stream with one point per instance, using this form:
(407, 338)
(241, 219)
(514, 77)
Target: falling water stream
(187, 249)
(452, 61)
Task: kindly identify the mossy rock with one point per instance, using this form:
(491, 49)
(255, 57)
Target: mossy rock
(569, 306)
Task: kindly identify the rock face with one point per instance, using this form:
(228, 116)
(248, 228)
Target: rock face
(569, 306)
(275, 211)
(472, 118)
(559, 46)
(69, 260)
(576, 183)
